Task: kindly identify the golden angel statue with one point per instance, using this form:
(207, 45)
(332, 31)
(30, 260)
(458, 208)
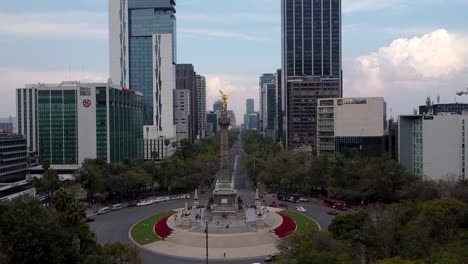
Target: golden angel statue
(224, 102)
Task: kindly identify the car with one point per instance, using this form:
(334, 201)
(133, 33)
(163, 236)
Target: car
(132, 204)
(260, 196)
(301, 209)
(283, 205)
(143, 203)
(333, 212)
(103, 210)
(167, 198)
(116, 207)
(303, 199)
(90, 218)
(271, 258)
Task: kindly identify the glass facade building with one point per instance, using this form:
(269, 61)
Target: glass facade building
(311, 65)
(74, 121)
(13, 158)
(146, 20)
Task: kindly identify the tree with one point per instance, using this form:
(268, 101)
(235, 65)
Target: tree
(119, 253)
(442, 217)
(31, 234)
(48, 184)
(398, 260)
(312, 247)
(91, 176)
(346, 227)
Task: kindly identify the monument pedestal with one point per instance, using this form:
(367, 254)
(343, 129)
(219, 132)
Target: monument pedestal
(224, 201)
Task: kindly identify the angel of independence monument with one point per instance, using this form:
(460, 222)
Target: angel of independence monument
(224, 196)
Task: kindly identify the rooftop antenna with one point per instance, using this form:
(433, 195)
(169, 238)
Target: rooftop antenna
(438, 98)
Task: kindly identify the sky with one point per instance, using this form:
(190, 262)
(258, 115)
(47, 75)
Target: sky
(402, 50)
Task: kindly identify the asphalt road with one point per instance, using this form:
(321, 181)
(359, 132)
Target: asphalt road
(114, 226)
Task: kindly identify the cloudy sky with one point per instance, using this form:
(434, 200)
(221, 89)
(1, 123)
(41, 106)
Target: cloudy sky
(402, 50)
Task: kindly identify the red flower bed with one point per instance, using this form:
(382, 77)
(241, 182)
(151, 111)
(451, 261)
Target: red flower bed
(162, 229)
(286, 228)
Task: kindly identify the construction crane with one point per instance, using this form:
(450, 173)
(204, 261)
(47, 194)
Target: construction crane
(463, 93)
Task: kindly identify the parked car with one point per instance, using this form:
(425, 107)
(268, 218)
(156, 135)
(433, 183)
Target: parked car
(116, 207)
(303, 199)
(131, 204)
(273, 204)
(271, 258)
(332, 212)
(103, 210)
(143, 203)
(301, 209)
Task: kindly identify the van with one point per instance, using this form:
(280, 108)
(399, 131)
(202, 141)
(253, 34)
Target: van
(116, 207)
(103, 210)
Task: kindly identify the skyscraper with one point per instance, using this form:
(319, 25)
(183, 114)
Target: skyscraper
(270, 109)
(183, 118)
(311, 65)
(217, 107)
(279, 109)
(264, 79)
(186, 79)
(249, 108)
(201, 105)
(142, 55)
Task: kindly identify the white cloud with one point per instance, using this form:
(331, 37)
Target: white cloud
(408, 70)
(55, 25)
(17, 78)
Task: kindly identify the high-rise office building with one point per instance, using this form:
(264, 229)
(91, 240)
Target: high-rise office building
(279, 109)
(349, 125)
(217, 107)
(182, 111)
(249, 108)
(264, 79)
(186, 79)
(270, 110)
(13, 158)
(434, 146)
(212, 119)
(311, 65)
(142, 55)
(68, 122)
(201, 105)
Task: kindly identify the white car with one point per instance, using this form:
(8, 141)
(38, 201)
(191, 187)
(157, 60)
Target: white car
(301, 209)
(143, 203)
(303, 199)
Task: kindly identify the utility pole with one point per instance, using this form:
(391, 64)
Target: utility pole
(206, 231)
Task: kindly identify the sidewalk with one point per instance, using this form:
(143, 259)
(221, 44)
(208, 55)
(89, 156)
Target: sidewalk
(236, 246)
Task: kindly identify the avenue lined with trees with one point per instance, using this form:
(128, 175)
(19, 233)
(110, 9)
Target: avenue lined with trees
(402, 219)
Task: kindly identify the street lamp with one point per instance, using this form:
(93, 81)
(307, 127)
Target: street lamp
(206, 232)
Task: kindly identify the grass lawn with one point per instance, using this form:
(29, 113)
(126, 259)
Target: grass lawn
(302, 222)
(143, 231)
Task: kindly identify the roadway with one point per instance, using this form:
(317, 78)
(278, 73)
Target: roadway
(115, 226)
